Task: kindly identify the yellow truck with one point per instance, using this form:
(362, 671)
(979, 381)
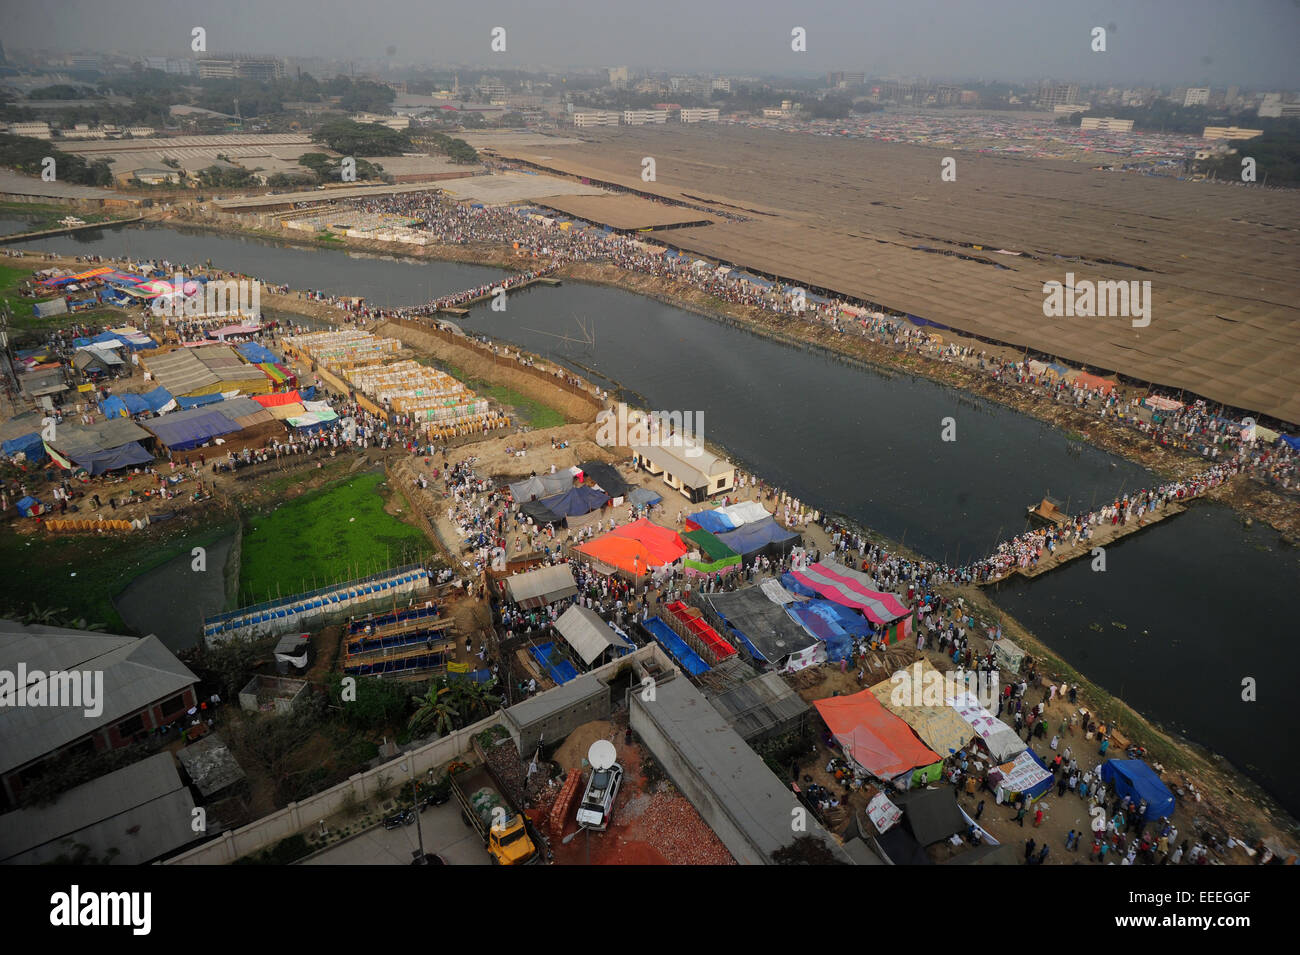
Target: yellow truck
(506, 832)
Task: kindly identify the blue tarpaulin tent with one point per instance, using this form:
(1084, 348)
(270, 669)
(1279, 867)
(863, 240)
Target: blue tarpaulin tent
(713, 522)
(758, 536)
(1132, 777)
(157, 398)
(576, 501)
(839, 644)
(256, 353)
(29, 507)
(28, 444)
(1292, 439)
(123, 406)
(102, 460)
(184, 434)
(198, 401)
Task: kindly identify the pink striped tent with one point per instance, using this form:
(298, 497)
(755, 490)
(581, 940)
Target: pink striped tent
(879, 608)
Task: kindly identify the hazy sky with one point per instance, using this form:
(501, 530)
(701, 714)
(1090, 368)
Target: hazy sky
(1197, 42)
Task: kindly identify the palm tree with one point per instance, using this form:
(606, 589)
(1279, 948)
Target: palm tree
(433, 711)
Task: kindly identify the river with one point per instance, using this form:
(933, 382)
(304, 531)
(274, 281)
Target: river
(869, 445)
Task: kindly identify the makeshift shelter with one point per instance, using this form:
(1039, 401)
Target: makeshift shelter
(939, 726)
(540, 513)
(711, 521)
(255, 353)
(278, 399)
(767, 632)
(932, 815)
(96, 361)
(715, 556)
(1007, 655)
(821, 580)
(765, 537)
(1002, 741)
(746, 512)
(663, 544)
(901, 847)
(29, 445)
(1133, 777)
(542, 586)
(184, 431)
(30, 507)
(158, 399)
(605, 475)
(872, 737)
(589, 635)
(619, 553)
(541, 485)
(825, 628)
(101, 461)
(1025, 774)
(577, 501)
(643, 497)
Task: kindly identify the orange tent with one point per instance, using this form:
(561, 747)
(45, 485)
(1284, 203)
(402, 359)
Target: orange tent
(621, 552)
(1095, 382)
(873, 737)
(664, 544)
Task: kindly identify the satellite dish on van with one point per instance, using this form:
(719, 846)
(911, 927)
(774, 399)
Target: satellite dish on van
(602, 754)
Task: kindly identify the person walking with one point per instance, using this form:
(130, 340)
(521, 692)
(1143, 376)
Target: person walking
(1020, 814)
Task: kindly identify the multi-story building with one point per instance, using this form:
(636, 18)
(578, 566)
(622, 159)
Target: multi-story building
(1051, 95)
(720, 85)
(595, 117)
(845, 80)
(144, 687)
(690, 115)
(1109, 123)
(1196, 96)
(240, 66)
(30, 130)
(618, 77)
(1230, 132)
(642, 117)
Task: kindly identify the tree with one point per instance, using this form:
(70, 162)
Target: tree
(434, 712)
(361, 139)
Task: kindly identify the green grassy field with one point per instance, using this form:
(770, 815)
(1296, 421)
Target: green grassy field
(82, 573)
(337, 533)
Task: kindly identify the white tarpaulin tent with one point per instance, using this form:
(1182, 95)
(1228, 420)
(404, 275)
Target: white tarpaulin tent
(1001, 739)
(1007, 655)
(883, 813)
(587, 633)
(746, 512)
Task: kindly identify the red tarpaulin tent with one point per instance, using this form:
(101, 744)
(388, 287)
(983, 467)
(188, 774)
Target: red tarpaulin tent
(282, 398)
(620, 552)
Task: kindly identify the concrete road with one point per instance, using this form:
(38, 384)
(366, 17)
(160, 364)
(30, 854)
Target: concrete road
(444, 834)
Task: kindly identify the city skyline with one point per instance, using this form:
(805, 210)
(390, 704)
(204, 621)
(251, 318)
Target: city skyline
(1202, 42)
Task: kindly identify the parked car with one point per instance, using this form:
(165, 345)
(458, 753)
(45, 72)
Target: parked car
(598, 800)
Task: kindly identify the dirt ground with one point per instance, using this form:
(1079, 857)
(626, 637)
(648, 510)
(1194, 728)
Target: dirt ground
(651, 824)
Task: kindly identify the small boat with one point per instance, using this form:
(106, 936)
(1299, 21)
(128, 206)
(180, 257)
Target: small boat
(1048, 511)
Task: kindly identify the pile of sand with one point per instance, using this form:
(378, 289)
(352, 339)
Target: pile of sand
(572, 753)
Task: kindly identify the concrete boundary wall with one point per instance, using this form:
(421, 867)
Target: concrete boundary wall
(298, 816)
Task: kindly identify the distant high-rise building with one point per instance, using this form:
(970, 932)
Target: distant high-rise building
(640, 117)
(1196, 96)
(1107, 123)
(240, 66)
(1052, 95)
(618, 77)
(689, 115)
(845, 80)
(721, 85)
(1230, 132)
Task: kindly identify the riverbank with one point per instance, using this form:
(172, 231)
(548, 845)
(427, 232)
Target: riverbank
(1252, 499)
(336, 316)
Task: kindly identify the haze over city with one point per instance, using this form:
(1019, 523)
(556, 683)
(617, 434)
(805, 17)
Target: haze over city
(1215, 42)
